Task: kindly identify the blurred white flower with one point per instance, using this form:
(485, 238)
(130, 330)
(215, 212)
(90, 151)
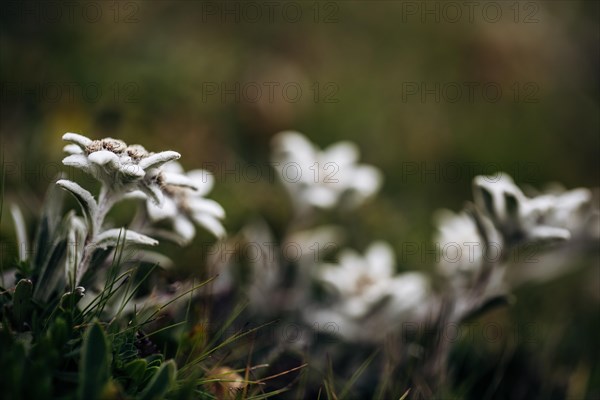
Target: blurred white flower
(323, 178)
(517, 217)
(510, 219)
(462, 249)
(571, 210)
(184, 203)
(371, 300)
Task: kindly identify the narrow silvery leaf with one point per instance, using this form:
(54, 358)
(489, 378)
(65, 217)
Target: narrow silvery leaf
(135, 195)
(153, 257)
(22, 240)
(169, 235)
(112, 237)
(158, 159)
(72, 260)
(78, 139)
(75, 246)
(85, 199)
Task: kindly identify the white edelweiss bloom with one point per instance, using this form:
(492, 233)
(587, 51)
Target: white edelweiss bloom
(516, 216)
(461, 247)
(184, 203)
(118, 166)
(323, 178)
(571, 210)
(372, 299)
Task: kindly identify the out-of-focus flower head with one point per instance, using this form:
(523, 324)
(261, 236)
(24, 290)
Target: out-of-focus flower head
(371, 299)
(462, 249)
(184, 203)
(323, 178)
(548, 217)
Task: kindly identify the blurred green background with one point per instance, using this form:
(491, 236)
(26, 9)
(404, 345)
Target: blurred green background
(182, 75)
(413, 83)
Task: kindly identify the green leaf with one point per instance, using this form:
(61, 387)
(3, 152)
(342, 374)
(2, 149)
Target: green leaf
(69, 300)
(160, 383)
(51, 270)
(59, 332)
(135, 369)
(94, 368)
(75, 247)
(48, 226)
(22, 305)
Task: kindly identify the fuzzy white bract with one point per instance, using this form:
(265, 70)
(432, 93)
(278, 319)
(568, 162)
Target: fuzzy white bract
(186, 205)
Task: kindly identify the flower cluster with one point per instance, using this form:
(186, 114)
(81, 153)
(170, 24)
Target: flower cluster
(121, 167)
(503, 219)
(132, 171)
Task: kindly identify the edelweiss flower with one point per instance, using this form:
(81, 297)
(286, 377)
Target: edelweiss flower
(372, 299)
(517, 217)
(462, 248)
(184, 203)
(120, 167)
(316, 178)
(571, 210)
